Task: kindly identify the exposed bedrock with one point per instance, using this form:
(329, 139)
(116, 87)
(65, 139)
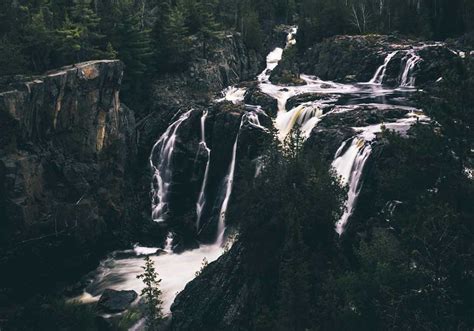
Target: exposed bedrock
(356, 59)
(67, 144)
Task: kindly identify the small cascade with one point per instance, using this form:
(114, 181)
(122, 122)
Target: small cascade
(350, 166)
(233, 94)
(291, 37)
(169, 243)
(305, 115)
(228, 183)
(252, 119)
(380, 73)
(202, 196)
(160, 161)
(275, 56)
(411, 60)
(272, 62)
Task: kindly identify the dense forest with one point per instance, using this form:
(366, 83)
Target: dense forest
(154, 36)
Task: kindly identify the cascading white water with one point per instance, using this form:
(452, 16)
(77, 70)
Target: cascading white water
(411, 61)
(169, 243)
(349, 164)
(380, 73)
(202, 194)
(272, 62)
(228, 183)
(233, 94)
(160, 161)
(252, 118)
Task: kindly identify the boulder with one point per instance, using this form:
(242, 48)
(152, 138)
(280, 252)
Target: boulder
(112, 301)
(254, 96)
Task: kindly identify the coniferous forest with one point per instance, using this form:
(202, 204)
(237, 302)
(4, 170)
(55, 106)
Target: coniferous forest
(236, 165)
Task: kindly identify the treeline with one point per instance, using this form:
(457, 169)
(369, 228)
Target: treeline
(153, 36)
(434, 19)
(148, 35)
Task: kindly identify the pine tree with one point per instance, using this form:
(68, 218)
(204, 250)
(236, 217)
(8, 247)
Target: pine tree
(12, 60)
(151, 293)
(209, 27)
(175, 34)
(252, 31)
(39, 40)
(133, 44)
(80, 37)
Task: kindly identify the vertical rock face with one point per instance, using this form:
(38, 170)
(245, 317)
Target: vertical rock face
(66, 143)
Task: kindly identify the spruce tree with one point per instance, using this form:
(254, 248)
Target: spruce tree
(151, 293)
(80, 37)
(209, 27)
(176, 39)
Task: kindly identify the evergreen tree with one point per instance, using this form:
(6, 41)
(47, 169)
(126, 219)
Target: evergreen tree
(80, 38)
(174, 51)
(40, 40)
(12, 60)
(151, 293)
(252, 31)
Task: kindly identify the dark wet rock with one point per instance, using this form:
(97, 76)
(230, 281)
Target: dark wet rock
(219, 299)
(307, 97)
(351, 59)
(326, 141)
(113, 302)
(67, 150)
(343, 58)
(439, 62)
(362, 115)
(254, 96)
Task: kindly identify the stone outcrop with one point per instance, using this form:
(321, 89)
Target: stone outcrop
(229, 305)
(67, 143)
(112, 302)
(351, 59)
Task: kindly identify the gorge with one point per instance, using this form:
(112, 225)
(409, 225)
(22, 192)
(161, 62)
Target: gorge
(277, 181)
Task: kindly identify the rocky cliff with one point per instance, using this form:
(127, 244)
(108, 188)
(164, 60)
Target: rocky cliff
(227, 62)
(66, 145)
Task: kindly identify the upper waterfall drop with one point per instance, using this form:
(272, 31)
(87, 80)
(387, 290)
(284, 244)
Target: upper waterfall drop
(160, 161)
(380, 73)
(411, 61)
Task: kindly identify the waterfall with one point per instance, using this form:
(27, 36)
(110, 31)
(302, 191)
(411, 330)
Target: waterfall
(169, 243)
(163, 151)
(350, 167)
(306, 115)
(252, 119)
(411, 60)
(275, 56)
(228, 183)
(202, 197)
(380, 73)
(233, 94)
(350, 164)
(272, 62)
(290, 38)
